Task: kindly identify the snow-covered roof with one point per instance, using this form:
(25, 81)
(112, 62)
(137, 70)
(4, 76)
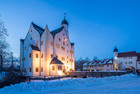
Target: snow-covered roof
(99, 62)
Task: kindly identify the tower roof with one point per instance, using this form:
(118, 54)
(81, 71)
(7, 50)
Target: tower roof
(115, 50)
(64, 22)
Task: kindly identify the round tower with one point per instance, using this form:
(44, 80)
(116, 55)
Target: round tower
(65, 24)
(115, 53)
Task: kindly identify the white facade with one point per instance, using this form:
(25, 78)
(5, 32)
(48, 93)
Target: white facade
(127, 60)
(41, 46)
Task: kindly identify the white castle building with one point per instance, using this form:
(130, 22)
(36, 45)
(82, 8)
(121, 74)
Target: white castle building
(47, 53)
(127, 60)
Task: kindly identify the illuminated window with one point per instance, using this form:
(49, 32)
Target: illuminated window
(30, 69)
(51, 55)
(41, 42)
(56, 56)
(59, 67)
(36, 55)
(53, 67)
(29, 54)
(36, 69)
(63, 58)
(41, 69)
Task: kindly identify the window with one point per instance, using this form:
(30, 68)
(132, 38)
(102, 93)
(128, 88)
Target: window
(57, 45)
(36, 55)
(53, 67)
(59, 39)
(23, 58)
(63, 58)
(36, 43)
(67, 57)
(31, 30)
(63, 43)
(31, 38)
(63, 48)
(25, 48)
(125, 62)
(63, 34)
(42, 69)
(67, 51)
(67, 62)
(107, 65)
(42, 56)
(56, 56)
(36, 69)
(121, 63)
(41, 42)
(59, 67)
(51, 43)
(30, 70)
(67, 44)
(51, 55)
(29, 54)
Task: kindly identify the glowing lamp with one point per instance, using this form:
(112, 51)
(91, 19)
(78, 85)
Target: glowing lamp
(60, 73)
(65, 39)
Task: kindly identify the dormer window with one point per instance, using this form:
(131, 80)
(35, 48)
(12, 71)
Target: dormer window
(36, 43)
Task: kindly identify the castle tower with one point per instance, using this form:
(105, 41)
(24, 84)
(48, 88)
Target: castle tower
(115, 53)
(65, 24)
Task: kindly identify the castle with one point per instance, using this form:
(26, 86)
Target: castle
(47, 53)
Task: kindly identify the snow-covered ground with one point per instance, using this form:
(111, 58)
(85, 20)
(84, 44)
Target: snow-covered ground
(126, 84)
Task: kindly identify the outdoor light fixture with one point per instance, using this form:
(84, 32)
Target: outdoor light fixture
(60, 73)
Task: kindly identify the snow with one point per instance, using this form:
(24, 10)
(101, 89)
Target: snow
(125, 84)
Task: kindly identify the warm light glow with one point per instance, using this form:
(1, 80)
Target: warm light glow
(60, 73)
(65, 39)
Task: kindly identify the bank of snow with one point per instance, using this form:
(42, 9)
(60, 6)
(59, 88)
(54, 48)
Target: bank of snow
(109, 85)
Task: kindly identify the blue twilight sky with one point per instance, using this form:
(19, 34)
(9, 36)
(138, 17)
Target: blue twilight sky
(95, 26)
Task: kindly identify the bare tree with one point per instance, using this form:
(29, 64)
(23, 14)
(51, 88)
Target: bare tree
(3, 44)
(95, 58)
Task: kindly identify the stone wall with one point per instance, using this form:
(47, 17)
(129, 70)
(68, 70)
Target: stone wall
(95, 74)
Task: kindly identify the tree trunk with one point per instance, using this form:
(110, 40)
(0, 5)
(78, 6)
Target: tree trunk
(1, 63)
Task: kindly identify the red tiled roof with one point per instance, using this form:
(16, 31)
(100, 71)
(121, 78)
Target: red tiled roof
(138, 54)
(127, 54)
